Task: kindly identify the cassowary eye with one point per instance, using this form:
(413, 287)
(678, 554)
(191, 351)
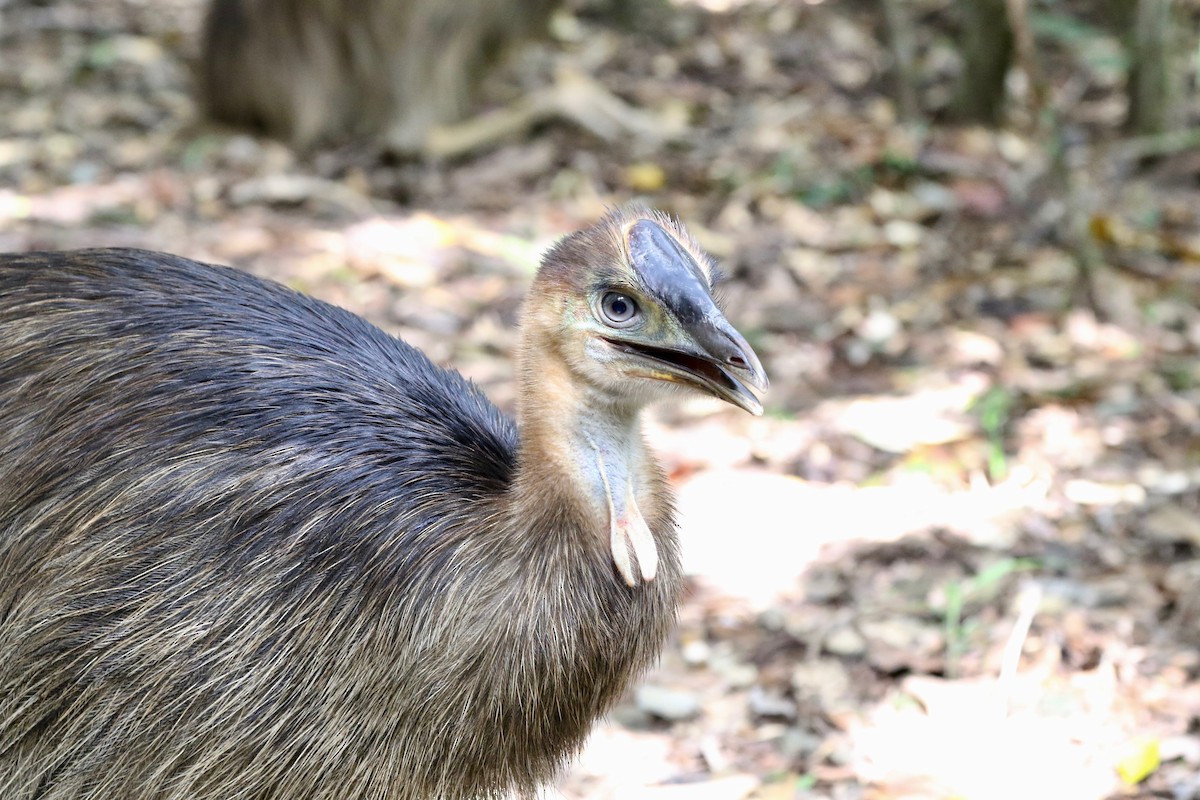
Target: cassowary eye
(618, 309)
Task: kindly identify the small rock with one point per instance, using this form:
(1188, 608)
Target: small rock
(294, 189)
(1171, 524)
(824, 586)
(971, 347)
(764, 703)
(796, 744)
(1163, 481)
(846, 642)
(242, 151)
(1187, 789)
(632, 718)
(1051, 266)
(696, 653)
(879, 326)
(903, 234)
(61, 149)
(135, 50)
(933, 199)
(737, 674)
(823, 684)
(671, 705)
(36, 116)
(1180, 581)
(1182, 748)
(14, 152)
(900, 643)
(1093, 493)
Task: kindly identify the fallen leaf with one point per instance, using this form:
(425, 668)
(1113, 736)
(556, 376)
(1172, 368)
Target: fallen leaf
(645, 176)
(1140, 762)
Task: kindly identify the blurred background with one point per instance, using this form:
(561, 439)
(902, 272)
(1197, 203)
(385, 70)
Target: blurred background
(959, 557)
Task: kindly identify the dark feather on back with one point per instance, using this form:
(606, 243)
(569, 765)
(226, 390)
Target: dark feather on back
(252, 546)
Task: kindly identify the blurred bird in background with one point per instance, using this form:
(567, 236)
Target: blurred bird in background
(402, 74)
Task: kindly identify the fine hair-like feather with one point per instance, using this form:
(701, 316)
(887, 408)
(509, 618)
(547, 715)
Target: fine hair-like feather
(253, 547)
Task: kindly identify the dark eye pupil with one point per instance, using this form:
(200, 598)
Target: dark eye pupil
(619, 308)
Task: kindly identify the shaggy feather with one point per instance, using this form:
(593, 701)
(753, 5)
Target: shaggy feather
(253, 547)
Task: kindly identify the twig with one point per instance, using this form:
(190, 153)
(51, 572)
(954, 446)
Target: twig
(903, 47)
(1028, 601)
(1153, 145)
(1018, 21)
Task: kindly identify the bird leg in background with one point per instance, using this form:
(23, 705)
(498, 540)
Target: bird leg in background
(574, 97)
(626, 525)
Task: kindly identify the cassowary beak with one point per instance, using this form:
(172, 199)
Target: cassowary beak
(706, 352)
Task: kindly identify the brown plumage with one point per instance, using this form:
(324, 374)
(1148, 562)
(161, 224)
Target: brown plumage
(253, 547)
(315, 71)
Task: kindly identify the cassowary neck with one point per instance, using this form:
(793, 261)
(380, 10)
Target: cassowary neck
(575, 437)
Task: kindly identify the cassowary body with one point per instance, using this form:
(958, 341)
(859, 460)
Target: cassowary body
(251, 546)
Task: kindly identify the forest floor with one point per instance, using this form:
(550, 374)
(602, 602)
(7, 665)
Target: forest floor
(958, 557)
